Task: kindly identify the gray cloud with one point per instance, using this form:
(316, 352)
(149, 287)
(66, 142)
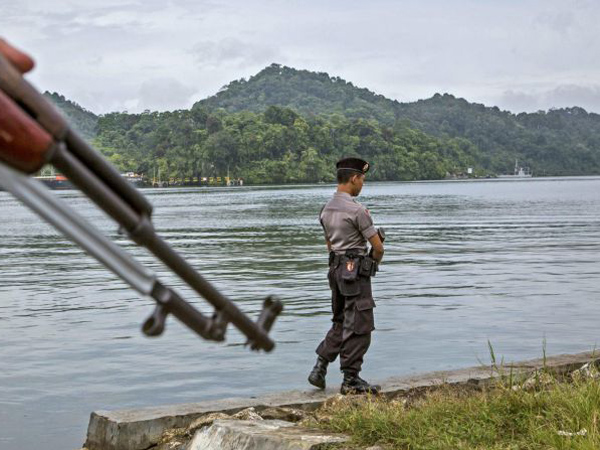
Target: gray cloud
(564, 96)
(562, 22)
(163, 91)
(233, 51)
(517, 54)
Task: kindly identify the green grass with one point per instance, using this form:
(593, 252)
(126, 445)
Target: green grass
(506, 415)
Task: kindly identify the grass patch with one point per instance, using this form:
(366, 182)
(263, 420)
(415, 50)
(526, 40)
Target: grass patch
(541, 412)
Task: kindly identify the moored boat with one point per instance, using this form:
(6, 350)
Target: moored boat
(134, 178)
(57, 181)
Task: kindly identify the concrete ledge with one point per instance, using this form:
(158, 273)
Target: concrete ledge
(140, 429)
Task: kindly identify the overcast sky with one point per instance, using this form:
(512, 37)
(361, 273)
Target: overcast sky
(115, 55)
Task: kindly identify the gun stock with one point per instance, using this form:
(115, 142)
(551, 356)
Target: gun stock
(24, 145)
(46, 115)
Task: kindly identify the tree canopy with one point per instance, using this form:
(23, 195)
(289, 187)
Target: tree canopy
(276, 146)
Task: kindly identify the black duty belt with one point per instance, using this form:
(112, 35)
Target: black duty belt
(335, 258)
(368, 265)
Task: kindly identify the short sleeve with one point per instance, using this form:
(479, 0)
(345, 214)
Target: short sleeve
(365, 223)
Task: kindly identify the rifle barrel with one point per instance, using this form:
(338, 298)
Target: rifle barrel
(141, 231)
(35, 195)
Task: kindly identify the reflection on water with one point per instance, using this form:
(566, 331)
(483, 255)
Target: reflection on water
(515, 262)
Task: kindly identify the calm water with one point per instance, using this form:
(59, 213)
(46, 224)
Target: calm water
(513, 262)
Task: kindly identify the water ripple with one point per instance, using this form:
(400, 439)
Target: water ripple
(512, 262)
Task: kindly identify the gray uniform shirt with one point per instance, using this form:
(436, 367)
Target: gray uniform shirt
(347, 223)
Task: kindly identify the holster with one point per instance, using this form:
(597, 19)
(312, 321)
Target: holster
(368, 267)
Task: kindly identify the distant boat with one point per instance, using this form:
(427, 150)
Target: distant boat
(134, 178)
(56, 181)
(520, 172)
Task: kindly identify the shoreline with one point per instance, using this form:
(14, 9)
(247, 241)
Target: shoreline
(209, 188)
(138, 429)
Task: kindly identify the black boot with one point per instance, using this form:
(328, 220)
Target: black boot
(353, 384)
(317, 376)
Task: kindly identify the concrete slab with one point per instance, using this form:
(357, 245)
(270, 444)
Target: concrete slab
(261, 435)
(140, 429)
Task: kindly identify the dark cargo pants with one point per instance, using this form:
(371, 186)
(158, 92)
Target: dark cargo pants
(353, 321)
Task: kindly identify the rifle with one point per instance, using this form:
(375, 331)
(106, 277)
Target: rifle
(32, 134)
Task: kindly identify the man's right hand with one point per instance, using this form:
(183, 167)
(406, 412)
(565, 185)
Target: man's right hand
(376, 247)
(23, 62)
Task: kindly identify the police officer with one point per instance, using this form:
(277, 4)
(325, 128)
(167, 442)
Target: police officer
(348, 226)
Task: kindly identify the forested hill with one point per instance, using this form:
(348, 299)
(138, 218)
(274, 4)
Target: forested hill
(562, 141)
(84, 121)
(309, 93)
(286, 125)
(556, 142)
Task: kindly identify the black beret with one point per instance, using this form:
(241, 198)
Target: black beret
(355, 164)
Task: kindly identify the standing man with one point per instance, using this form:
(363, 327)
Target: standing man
(348, 226)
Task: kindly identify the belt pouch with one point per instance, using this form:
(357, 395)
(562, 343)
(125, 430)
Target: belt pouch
(366, 267)
(348, 277)
(350, 267)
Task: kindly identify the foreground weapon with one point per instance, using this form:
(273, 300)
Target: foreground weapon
(33, 133)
